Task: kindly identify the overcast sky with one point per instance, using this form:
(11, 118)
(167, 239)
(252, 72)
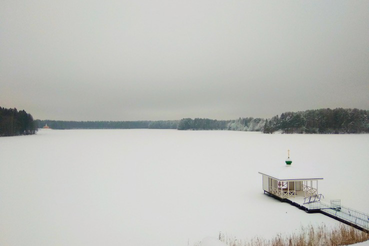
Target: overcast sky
(168, 59)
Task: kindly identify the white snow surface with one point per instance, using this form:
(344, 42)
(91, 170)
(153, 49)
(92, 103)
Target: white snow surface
(165, 187)
(366, 243)
(211, 241)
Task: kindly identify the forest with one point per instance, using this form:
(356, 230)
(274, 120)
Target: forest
(61, 125)
(323, 121)
(319, 121)
(242, 124)
(14, 122)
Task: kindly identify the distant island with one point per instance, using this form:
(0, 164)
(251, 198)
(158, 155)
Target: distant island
(14, 122)
(320, 121)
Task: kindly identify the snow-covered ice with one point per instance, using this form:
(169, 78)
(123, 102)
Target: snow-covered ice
(211, 241)
(165, 187)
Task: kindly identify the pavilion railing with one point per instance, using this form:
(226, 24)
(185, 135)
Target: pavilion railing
(310, 191)
(283, 193)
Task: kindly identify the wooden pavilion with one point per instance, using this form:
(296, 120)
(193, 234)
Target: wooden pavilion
(288, 181)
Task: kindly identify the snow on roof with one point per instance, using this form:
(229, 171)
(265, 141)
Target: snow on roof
(285, 172)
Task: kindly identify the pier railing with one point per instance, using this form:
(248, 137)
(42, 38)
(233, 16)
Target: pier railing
(353, 216)
(313, 199)
(336, 210)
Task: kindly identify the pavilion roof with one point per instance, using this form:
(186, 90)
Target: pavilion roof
(285, 172)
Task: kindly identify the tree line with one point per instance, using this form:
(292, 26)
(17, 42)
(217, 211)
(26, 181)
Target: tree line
(58, 124)
(242, 124)
(14, 122)
(322, 121)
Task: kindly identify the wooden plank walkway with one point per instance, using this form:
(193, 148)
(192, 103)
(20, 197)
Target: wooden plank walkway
(349, 216)
(334, 210)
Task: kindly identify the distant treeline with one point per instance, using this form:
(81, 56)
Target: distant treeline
(242, 124)
(325, 121)
(57, 124)
(14, 122)
(311, 121)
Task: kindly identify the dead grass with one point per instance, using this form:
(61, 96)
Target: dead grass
(309, 236)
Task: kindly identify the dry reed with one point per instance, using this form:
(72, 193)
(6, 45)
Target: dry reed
(309, 236)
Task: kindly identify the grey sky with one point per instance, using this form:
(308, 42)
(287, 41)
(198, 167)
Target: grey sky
(166, 59)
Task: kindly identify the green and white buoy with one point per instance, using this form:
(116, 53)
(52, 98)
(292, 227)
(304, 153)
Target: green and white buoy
(288, 161)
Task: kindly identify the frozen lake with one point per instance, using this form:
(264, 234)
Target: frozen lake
(164, 187)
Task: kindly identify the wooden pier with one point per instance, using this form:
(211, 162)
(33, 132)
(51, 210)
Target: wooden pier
(334, 210)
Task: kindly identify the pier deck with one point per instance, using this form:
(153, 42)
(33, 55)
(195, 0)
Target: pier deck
(334, 210)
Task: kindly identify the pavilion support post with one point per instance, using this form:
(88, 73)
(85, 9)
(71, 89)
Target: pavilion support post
(317, 191)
